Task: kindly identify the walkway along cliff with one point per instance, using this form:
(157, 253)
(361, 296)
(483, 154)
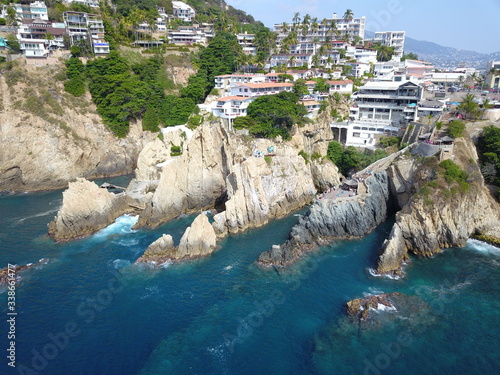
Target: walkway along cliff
(435, 211)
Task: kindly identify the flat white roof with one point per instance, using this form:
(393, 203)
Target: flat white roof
(383, 85)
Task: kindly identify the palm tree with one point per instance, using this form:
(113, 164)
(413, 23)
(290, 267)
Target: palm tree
(296, 18)
(348, 15)
(291, 61)
(284, 28)
(314, 25)
(357, 40)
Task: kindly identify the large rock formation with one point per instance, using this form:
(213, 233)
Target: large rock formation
(219, 169)
(259, 191)
(198, 240)
(446, 218)
(86, 208)
(50, 137)
(328, 219)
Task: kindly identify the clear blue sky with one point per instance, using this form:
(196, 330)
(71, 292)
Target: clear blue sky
(465, 24)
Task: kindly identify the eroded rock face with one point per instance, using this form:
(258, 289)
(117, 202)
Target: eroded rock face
(259, 191)
(328, 219)
(47, 152)
(425, 228)
(86, 208)
(198, 240)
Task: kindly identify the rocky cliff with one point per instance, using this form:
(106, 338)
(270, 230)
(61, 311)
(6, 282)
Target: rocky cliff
(219, 169)
(334, 218)
(50, 137)
(442, 215)
(86, 208)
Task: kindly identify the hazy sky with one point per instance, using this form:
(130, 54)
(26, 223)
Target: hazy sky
(464, 24)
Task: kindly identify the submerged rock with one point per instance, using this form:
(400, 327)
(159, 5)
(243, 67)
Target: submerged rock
(86, 208)
(14, 273)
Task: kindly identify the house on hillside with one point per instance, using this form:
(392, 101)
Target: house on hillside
(37, 37)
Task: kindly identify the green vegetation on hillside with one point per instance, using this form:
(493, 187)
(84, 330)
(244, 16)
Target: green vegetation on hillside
(349, 160)
(489, 148)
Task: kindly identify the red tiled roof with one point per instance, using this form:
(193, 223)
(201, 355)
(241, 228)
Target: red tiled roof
(227, 98)
(266, 85)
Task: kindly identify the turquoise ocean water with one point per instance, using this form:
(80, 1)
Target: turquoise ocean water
(88, 311)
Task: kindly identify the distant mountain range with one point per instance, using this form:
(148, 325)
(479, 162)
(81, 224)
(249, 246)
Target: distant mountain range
(446, 57)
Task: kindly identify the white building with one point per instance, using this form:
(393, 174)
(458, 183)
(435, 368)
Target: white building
(89, 3)
(361, 54)
(189, 35)
(242, 94)
(86, 26)
(224, 82)
(37, 38)
(394, 39)
(230, 107)
(245, 40)
(26, 10)
(334, 28)
(493, 74)
(291, 60)
(381, 108)
(183, 11)
(388, 103)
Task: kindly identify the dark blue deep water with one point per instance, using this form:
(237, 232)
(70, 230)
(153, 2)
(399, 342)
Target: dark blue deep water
(88, 311)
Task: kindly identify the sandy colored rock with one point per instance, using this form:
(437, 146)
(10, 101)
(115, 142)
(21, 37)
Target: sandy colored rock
(48, 144)
(198, 240)
(85, 209)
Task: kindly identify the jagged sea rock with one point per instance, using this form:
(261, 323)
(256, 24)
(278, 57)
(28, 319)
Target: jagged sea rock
(9, 274)
(328, 219)
(325, 174)
(198, 240)
(152, 154)
(86, 208)
(259, 191)
(195, 179)
(424, 227)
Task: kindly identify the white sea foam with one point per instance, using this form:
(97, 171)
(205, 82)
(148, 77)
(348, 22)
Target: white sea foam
(150, 291)
(121, 263)
(122, 225)
(382, 307)
(482, 247)
(19, 221)
(374, 273)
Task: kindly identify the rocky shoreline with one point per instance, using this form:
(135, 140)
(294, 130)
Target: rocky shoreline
(330, 219)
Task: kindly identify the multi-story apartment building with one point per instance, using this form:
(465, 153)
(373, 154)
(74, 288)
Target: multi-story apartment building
(26, 10)
(242, 94)
(334, 28)
(381, 108)
(194, 34)
(493, 74)
(37, 38)
(88, 27)
(224, 82)
(394, 39)
(183, 11)
(245, 40)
